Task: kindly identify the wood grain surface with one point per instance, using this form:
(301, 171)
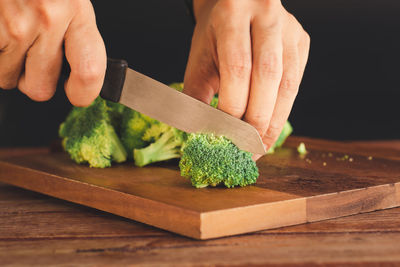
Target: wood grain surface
(329, 182)
(38, 230)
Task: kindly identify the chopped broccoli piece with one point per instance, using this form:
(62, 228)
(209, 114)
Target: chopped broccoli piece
(89, 137)
(209, 160)
(177, 86)
(214, 102)
(302, 149)
(166, 143)
(286, 131)
(116, 111)
(134, 125)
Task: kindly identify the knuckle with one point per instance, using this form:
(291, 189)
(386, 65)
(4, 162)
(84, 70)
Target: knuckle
(306, 40)
(81, 101)
(8, 84)
(232, 109)
(259, 121)
(227, 5)
(46, 15)
(41, 94)
(273, 132)
(289, 87)
(18, 30)
(89, 73)
(270, 65)
(239, 66)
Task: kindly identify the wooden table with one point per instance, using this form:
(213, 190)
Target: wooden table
(39, 230)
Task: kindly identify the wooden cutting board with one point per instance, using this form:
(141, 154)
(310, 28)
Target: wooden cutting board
(334, 179)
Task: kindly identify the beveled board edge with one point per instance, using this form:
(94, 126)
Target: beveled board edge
(163, 216)
(296, 211)
(351, 202)
(253, 218)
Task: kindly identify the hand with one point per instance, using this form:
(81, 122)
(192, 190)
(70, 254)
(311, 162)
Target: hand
(253, 54)
(32, 36)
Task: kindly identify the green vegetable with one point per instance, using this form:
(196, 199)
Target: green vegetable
(133, 127)
(177, 86)
(210, 160)
(286, 131)
(166, 143)
(89, 136)
(106, 132)
(150, 140)
(302, 149)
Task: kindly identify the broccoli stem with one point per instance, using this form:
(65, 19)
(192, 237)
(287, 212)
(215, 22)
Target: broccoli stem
(119, 153)
(163, 149)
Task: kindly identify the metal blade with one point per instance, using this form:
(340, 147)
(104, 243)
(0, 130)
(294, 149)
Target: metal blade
(188, 114)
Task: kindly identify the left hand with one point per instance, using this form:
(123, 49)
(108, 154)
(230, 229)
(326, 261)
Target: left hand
(253, 54)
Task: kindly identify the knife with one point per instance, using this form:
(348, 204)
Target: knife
(161, 102)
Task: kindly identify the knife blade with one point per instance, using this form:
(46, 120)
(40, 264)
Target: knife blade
(161, 102)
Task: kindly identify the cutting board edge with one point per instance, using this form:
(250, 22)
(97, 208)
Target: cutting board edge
(242, 219)
(306, 209)
(345, 203)
(63, 188)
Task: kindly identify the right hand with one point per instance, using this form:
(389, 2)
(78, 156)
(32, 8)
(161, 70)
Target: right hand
(33, 36)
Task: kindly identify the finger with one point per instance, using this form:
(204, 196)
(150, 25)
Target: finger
(86, 55)
(266, 75)
(304, 48)
(201, 76)
(288, 89)
(256, 157)
(234, 62)
(11, 63)
(42, 67)
(15, 39)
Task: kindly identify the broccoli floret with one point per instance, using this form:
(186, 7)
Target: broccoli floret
(177, 86)
(89, 137)
(209, 160)
(286, 131)
(166, 143)
(133, 127)
(115, 111)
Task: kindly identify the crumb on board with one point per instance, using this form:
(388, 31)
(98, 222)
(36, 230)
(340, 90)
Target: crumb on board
(344, 158)
(330, 154)
(370, 158)
(302, 149)
(308, 160)
(324, 163)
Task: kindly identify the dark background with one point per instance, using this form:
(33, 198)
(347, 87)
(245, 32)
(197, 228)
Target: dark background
(350, 89)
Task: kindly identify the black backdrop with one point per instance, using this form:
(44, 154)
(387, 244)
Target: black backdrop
(351, 87)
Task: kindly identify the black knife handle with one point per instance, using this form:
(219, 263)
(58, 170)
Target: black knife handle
(113, 81)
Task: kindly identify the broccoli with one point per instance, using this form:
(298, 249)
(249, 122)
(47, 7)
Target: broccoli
(286, 131)
(166, 143)
(211, 160)
(106, 131)
(177, 86)
(133, 126)
(150, 140)
(89, 136)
